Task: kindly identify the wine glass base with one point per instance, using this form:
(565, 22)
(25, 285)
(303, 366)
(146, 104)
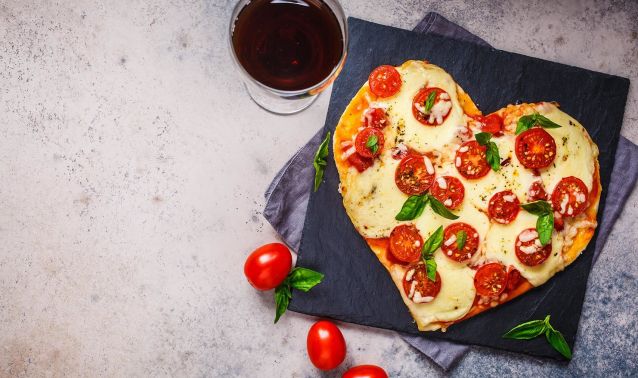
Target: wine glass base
(277, 104)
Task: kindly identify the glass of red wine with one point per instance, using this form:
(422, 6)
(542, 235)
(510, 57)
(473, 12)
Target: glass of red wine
(288, 51)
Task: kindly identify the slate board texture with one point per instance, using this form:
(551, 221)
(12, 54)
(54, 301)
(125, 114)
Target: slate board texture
(357, 288)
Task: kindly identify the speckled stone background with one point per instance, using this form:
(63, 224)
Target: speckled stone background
(132, 169)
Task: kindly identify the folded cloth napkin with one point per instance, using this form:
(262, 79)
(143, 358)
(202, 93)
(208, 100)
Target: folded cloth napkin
(288, 194)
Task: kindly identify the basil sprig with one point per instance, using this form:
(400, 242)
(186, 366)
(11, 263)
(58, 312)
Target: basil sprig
(491, 153)
(299, 278)
(545, 222)
(535, 328)
(461, 238)
(528, 121)
(427, 253)
(413, 208)
(429, 103)
(372, 144)
(319, 161)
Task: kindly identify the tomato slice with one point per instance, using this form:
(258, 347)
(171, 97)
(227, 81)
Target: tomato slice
(367, 135)
(375, 117)
(529, 250)
(471, 160)
(449, 190)
(513, 278)
(359, 162)
(535, 148)
(440, 110)
(503, 207)
(384, 81)
(450, 246)
(416, 281)
(406, 243)
(536, 192)
(492, 123)
(414, 174)
(569, 198)
(490, 280)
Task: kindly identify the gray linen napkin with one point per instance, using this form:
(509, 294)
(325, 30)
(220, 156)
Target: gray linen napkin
(288, 194)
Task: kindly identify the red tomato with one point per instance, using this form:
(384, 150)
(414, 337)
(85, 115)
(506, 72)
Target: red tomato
(359, 162)
(450, 246)
(570, 196)
(326, 345)
(375, 117)
(490, 280)
(492, 123)
(536, 192)
(268, 266)
(416, 276)
(503, 207)
(535, 148)
(418, 106)
(384, 81)
(471, 160)
(365, 371)
(361, 142)
(513, 278)
(406, 243)
(414, 174)
(448, 190)
(529, 250)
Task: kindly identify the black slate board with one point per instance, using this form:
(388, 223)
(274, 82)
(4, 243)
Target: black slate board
(356, 287)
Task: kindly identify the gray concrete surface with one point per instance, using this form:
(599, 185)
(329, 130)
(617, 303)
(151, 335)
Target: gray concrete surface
(132, 167)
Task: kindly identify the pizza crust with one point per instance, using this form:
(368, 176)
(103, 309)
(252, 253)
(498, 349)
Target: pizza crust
(348, 126)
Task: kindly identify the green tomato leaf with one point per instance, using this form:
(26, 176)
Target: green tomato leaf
(372, 144)
(440, 209)
(304, 279)
(527, 330)
(483, 138)
(461, 238)
(545, 122)
(492, 156)
(545, 227)
(432, 243)
(430, 268)
(538, 208)
(319, 161)
(412, 208)
(282, 299)
(557, 341)
(429, 103)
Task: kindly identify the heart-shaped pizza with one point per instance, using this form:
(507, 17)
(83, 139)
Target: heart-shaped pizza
(465, 211)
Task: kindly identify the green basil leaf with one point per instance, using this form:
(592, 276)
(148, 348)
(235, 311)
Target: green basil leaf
(282, 299)
(492, 156)
(524, 123)
(557, 341)
(538, 208)
(372, 144)
(545, 122)
(304, 279)
(483, 138)
(412, 208)
(440, 209)
(429, 103)
(430, 269)
(545, 227)
(461, 238)
(432, 243)
(527, 330)
(319, 161)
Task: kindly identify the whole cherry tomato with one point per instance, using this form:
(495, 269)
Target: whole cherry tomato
(326, 345)
(365, 371)
(268, 266)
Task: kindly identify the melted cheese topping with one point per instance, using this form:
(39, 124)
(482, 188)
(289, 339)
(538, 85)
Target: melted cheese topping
(500, 246)
(405, 128)
(453, 301)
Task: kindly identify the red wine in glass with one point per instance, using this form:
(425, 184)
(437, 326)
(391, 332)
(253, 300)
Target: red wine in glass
(288, 45)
